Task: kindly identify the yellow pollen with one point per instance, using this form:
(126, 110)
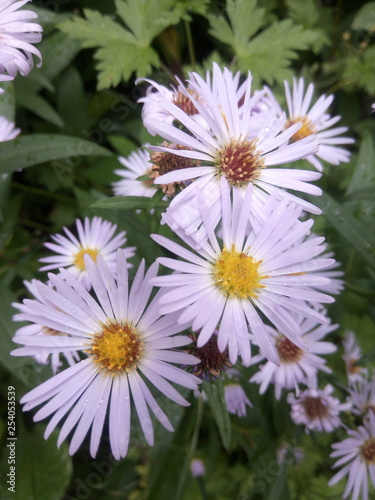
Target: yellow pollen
(288, 352)
(240, 162)
(368, 451)
(116, 348)
(79, 257)
(306, 129)
(237, 274)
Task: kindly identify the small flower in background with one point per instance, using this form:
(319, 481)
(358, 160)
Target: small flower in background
(362, 396)
(297, 366)
(236, 399)
(212, 361)
(358, 453)
(7, 130)
(17, 34)
(197, 468)
(95, 237)
(315, 121)
(287, 454)
(126, 344)
(136, 165)
(52, 358)
(257, 270)
(352, 355)
(372, 108)
(317, 409)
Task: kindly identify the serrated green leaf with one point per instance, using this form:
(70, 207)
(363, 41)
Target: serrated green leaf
(33, 149)
(127, 203)
(349, 227)
(359, 70)
(266, 53)
(215, 396)
(365, 18)
(364, 171)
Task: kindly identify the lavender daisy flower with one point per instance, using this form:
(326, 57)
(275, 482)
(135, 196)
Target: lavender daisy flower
(362, 396)
(7, 130)
(358, 453)
(229, 149)
(317, 409)
(94, 238)
(136, 165)
(126, 346)
(352, 354)
(17, 34)
(316, 121)
(34, 329)
(259, 269)
(197, 468)
(297, 366)
(236, 400)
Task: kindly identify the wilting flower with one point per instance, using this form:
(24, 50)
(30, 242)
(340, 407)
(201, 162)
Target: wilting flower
(17, 36)
(95, 238)
(315, 121)
(297, 366)
(136, 165)
(358, 453)
(257, 270)
(125, 346)
(317, 409)
(352, 355)
(7, 130)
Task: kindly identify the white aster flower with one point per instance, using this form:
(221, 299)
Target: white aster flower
(317, 409)
(34, 329)
(257, 270)
(352, 354)
(362, 396)
(127, 346)
(95, 238)
(316, 121)
(136, 165)
(7, 130)
(297, 366)
(17, 36)
(236, 399)
(197, 468)
(229, 149)
(357, 452)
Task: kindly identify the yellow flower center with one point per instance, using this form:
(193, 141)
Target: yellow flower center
(116, 348)
(237, 274)
(368, 451)
(240, 162)
(288, 352)
(79, 257)
(306, 129)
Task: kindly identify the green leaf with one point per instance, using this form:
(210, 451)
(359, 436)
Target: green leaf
(125, 50)
(127, 203)
(155, 200)
(269, 53)
(364, 171)
(29, 150)
(359, 70)
(215, 395)
(349, 227)
(365, 18)
(7, 101)
(40, 107)
(44, 476)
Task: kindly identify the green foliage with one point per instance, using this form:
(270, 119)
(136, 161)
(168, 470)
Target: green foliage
(125, 50)
(359, 70)
(215, 396)
(365, 18)
(267, 51)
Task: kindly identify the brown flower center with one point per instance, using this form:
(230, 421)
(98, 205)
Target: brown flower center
(213, 362)
(116, 348)
(306, 129)
(368, 451)
(314, 408)
(185, 103)
(240, 162)
(288, 352)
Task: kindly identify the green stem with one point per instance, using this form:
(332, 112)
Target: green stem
(190, 44)
(202, 489)
(42, 192)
